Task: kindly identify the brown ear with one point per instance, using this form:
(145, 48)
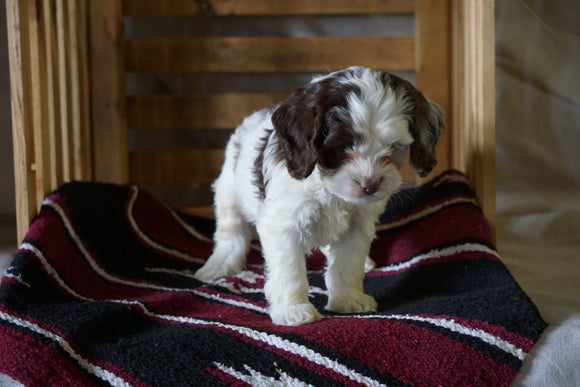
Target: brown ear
(426, 121)
(297, 126)
(425, 129)
(300, 122)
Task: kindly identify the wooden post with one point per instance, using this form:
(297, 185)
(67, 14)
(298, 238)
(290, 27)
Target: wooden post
(109, 118)
(474, 97)
(433, 67)
(22, 118)
(50, 100)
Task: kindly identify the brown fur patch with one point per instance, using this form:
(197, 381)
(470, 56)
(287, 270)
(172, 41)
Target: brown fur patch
(310, 120)
(258, 171)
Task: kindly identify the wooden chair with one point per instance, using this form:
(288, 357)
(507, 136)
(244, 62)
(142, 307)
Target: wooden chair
(73, 113)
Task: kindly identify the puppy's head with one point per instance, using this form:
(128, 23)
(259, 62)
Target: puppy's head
(356, 126)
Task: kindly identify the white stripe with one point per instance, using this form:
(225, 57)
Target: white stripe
(151, 242)
(427, 211)
(255, 245)
(17, 278)
(256, 379)
(278, 342)
(228, 301)
(89, 259)
(192, 231)
(142, 285)
(438, 253)
(456, 327)
(94, 369)
(183, 273)
(225, 282)
(275, 340)
(270, 339)
(51, 271)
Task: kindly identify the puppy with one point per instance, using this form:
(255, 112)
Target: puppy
(316, 171)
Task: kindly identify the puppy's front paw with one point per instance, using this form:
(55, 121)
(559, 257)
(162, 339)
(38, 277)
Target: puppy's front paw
(355, 302)
(214, 269)
(292, 315)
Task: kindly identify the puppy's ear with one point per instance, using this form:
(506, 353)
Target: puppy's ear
(298, 125)
(301, 121)
(426, 121)
(425, 128)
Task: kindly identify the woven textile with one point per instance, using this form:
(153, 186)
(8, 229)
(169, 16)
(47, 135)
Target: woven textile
(102, 292)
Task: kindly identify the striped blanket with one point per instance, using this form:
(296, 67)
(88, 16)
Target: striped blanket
(102, 292)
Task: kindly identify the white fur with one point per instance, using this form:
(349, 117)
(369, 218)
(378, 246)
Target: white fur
(324, 210)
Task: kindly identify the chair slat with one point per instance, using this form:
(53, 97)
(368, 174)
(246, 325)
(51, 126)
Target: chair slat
(53, 121)
(18, 18)
(176, 166)
(433, 50)
(269, 54)
(108, 99)
(264, 7)
(211, 111)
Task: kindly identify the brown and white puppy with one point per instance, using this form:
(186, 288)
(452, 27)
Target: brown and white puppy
(316, 172)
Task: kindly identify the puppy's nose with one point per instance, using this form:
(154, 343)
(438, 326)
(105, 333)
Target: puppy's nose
(369, 186)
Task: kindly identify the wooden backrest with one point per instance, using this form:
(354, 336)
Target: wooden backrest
(132, 94)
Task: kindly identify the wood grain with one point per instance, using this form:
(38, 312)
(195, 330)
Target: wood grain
(79, 103)
(176, 166)
(53, 121)
(38, 105)
(22, 121)
(474, 98)
(108, 100)
(265, 7)
(210, 111)
(68, 62)
(433, 68)
(269, 54)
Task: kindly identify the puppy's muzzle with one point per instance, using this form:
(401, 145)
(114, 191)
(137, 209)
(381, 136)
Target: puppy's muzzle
(369, 186)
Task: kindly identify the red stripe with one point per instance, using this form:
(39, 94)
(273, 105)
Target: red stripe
(112, 368)
(519, 341)
(391, 341)
(191, 305)
(229, 379)
(82, 278)
(186, 305)
(88, 283)
(9, 280)
(63, 255)
(297, 359)
(462, 221)
(155, 221)
(265, 322)
(32, 362)
(411, 353)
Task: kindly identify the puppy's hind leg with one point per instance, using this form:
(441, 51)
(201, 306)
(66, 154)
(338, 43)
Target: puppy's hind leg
(232, 240)
(233, 234)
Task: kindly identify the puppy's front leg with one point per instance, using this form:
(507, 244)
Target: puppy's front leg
(345, 274)
(286, 285)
